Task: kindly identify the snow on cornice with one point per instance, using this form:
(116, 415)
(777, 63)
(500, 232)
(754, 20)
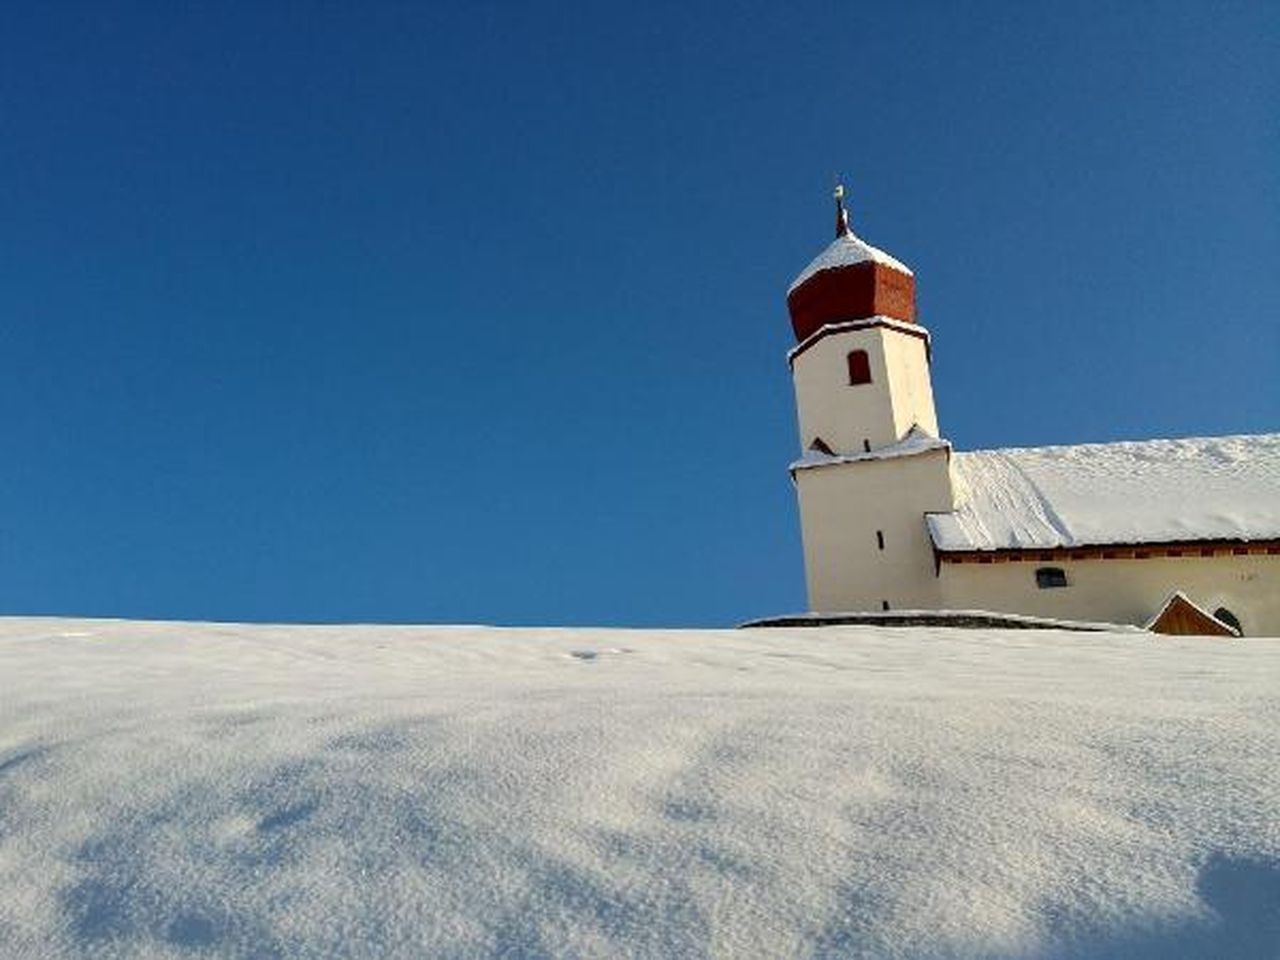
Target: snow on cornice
(845, 251)
(917, 441)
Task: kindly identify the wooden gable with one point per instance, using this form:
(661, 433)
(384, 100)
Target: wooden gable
(1180, 617)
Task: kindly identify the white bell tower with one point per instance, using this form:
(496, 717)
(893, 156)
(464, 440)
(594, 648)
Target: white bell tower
(872, 463)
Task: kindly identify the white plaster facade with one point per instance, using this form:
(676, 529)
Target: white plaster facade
(1122, 590)
(866, 546)
(869, 416)
(862, 520)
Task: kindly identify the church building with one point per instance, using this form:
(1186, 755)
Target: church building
(1182, 536)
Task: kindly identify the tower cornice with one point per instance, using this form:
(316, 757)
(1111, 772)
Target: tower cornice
(866, 323)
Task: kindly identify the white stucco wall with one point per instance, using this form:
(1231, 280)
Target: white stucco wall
(881, 412)
(910, 383)
(1123, 591)
(842, 506)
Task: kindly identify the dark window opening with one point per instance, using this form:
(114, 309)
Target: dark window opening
(1230, 619)
(884, 604)
(866, 445)
(880, 538)
(1050, 577)
(859, 368)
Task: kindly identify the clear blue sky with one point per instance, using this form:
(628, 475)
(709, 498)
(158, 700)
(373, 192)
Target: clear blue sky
(467, 312)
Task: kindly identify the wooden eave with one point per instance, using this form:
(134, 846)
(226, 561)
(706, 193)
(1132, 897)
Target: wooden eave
(1115, 551)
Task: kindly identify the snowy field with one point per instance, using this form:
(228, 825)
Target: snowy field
(177, 789)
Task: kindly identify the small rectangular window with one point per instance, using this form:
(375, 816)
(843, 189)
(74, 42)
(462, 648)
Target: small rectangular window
(1049, 577)
(880, 538)
(884, 604)
(859, 368)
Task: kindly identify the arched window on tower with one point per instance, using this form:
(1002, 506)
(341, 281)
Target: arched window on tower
(859, 368)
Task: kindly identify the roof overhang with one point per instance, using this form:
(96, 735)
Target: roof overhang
(1114, 551)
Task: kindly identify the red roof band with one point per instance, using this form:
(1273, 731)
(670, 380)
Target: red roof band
(853, 292)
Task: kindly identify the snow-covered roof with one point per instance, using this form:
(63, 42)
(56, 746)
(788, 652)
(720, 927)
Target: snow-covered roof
(917, 441)
(1152, 491)
(845, 251)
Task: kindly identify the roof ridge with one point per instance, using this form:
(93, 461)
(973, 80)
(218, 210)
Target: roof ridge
(1203, 438)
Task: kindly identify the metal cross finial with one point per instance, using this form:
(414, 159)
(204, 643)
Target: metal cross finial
(842, 215)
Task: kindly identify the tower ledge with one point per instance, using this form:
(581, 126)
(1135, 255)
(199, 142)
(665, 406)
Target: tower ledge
(916, 442)
(866, 323)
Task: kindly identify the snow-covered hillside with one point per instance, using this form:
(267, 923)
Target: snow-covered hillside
(168, 789)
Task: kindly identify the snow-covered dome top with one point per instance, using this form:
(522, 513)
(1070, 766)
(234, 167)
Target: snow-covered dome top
(850, 280)
(844, 251)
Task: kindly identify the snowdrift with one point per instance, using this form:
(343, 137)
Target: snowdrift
(258, 791)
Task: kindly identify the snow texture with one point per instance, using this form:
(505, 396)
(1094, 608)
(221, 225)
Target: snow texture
(1152, 491)
(845, 251)
(179, 789)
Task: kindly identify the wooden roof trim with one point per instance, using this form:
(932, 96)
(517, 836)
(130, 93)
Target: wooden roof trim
(1116, 551)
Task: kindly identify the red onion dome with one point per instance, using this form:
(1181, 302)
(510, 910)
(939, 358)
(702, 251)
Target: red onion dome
(850, 280)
